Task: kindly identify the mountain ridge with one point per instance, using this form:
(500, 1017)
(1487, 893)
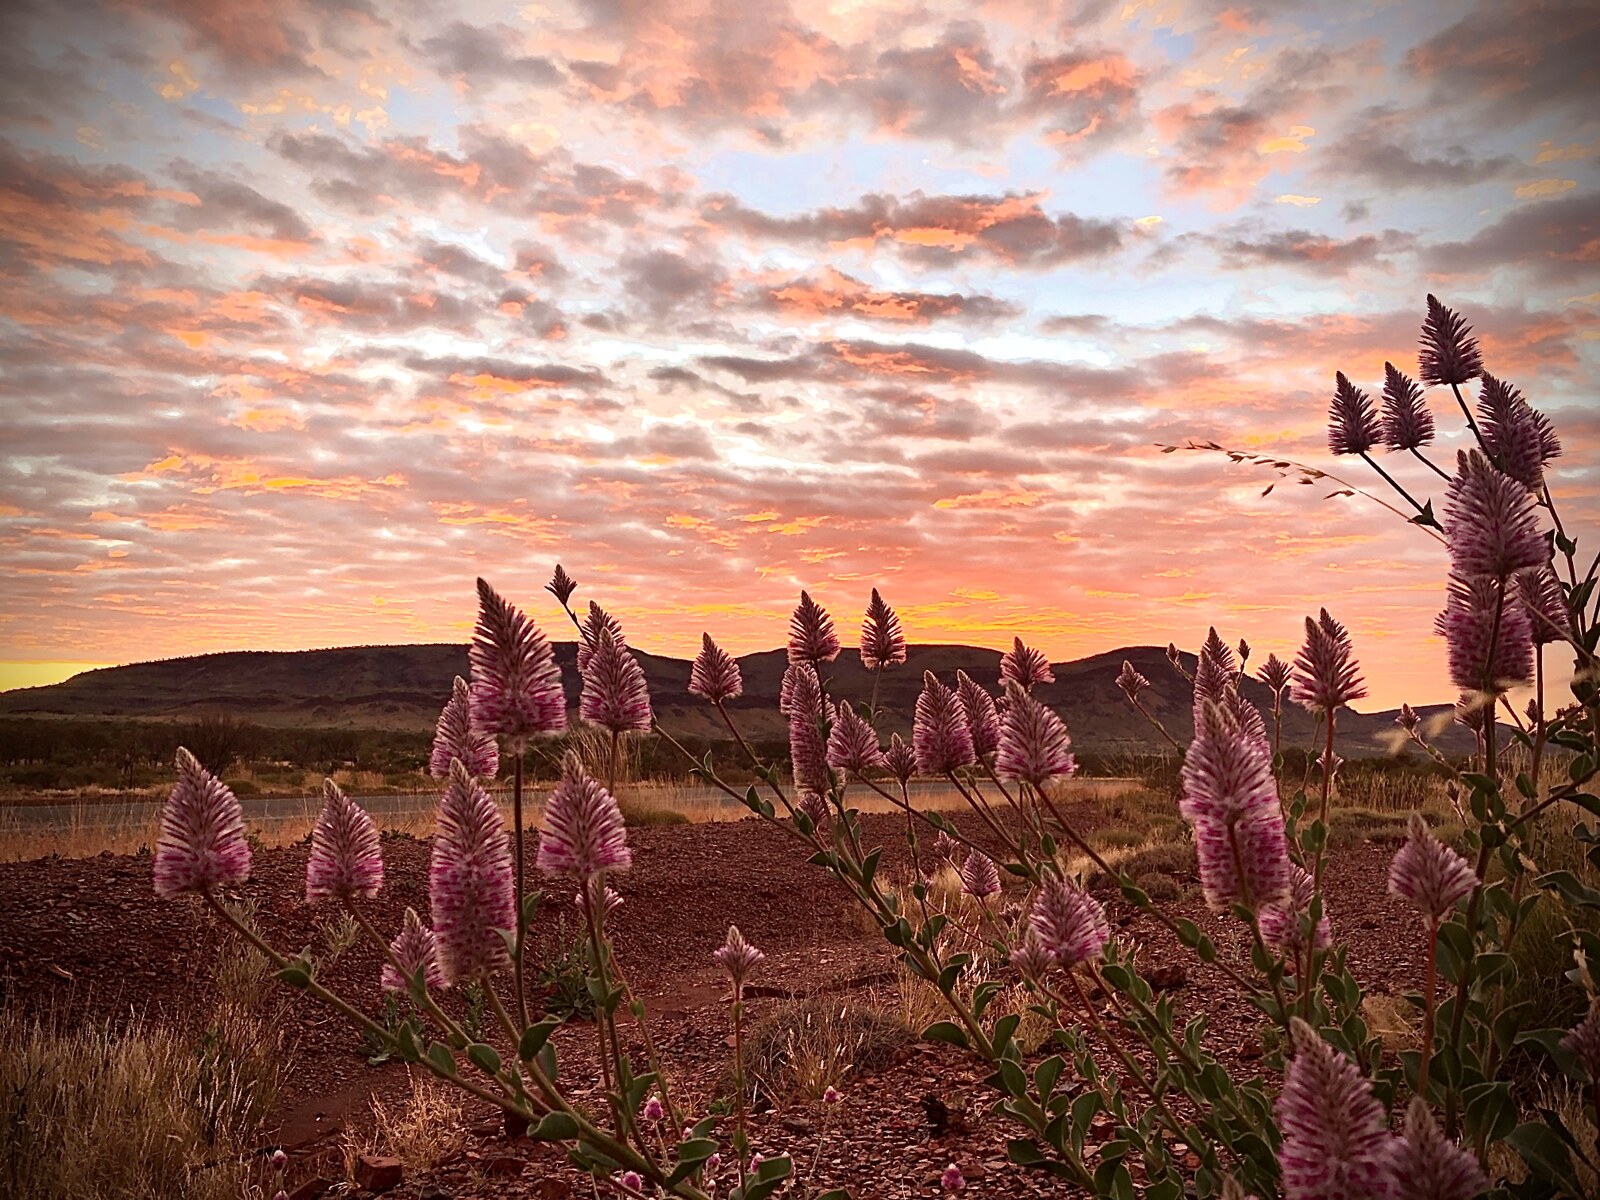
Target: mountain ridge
(403, 686)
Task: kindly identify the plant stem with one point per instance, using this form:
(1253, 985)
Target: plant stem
(1429, 986)
(1430, 464)
(1327, 790)
(522, 924)
(1391, 481)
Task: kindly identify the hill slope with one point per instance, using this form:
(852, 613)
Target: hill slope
(402, 687)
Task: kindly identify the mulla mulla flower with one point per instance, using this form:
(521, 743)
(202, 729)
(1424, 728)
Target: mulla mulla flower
(1326, 674)
(1336, 1143)
(883, 643)
(853, 744)
(1407, 420)
(561, 585)
(1071, 924)
(1426, 872)
(615, 695)
(808, 753)
(454, 737)
(1024, 666)
(1231, 802)
(737, 957)
(596, 624)
(815, 807)
(1488, 636)
(516, 685)
(1582, 1041)
(1276, 674)
(583, 833)
(1031, 959)
(1519, 438)
(1449, 353)
(1215, 671)
(980, 878)
(811, 635)
(1130, 681)
(715, 674)
(941, 737)
(1539, 592)
(1353, 426)
(346, 860)
(1281, 922)
(411, 951)
(1034, 744)
(1490, 523)
(202, 844)
(470, 886)
(900, 760)
(1429, 1166)
(982, 718)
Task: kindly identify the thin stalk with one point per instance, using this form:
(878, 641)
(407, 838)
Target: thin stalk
(611, 773)
(1429, 985)
(522, 888)
(1327, 791)
(1392, 482)
(741, 1136)
(750, 754)
(1255, 929)
(1430, 464)
(1471, 424)
(872, 705)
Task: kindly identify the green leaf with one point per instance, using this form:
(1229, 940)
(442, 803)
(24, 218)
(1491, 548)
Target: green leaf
(948, 1032)
(1046, 1074)
(442, 1059)
(690, 1155)
(295, 975)
(556, 1127)
(484, 1057)
(1545, 1153)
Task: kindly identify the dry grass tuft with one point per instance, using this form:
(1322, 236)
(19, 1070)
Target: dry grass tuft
(424, 1130)
(798, 1052)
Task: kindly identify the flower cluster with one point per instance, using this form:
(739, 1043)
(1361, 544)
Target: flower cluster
(202, 845)
(455, 737)
(516, 687)
(583, 834)
(1231, 801)
(470, 886)
(346, 861)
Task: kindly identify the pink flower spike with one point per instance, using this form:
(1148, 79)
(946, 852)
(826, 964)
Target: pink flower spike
(900, 760)
(591, 893)
(1031, 959)
(811, 636)
(1353, 426)
(1490, 523)
(652, 1110)
(982, 718)
(715, 674)
(615, 695)
(1070, 923)
(346, 860)
(516, 686)
(1226, 774)
(470, 883)
(1520, 440)
(815, 807)
(1024, 666)
(1407, 420)
(1130, 681)
(595, 625)
(1280, 922)
(1448, 354)
(853, 744)
(951, 1180)
(1429, 1166)
(1433, 877)
(1326, 674)
(454, 737)
(1275, 674)
(941, 737)
(1034, 744)
(737, 957)
(413, 949)
(980, 878)
(883, 643)
(583, 833)
(561, 585)
(1489, 637)
(1215, 670)
(202, 844)
(1540, 593)
(808, 753)
(1336, 1137)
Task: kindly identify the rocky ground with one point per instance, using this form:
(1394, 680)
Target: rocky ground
(87, 939)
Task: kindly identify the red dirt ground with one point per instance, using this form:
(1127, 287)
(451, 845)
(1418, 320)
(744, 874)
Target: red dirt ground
(88, 939)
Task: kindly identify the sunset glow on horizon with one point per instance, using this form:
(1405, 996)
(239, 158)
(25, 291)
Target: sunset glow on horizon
(315, 311)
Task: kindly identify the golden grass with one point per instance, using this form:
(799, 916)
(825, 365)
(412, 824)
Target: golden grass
(423, 1130)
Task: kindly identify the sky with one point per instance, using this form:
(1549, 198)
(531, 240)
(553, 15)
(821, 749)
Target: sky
(314, 310)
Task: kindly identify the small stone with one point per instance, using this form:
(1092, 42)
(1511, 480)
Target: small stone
(1166, 977)
(378, 1173)
(507, 1166)
(433, 1192)
(312, 1189)
(1250, 1048)
(551, 1188)
(796, 1124)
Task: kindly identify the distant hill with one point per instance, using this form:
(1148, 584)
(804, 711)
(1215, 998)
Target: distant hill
(403, 687)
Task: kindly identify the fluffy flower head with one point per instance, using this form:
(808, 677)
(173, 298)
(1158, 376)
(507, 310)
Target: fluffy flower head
(1433, 877)
(346, 861)
(1353, 426)
(1449, 353)
(1429, 1166)
(1024, 666)
(737, 957)
(583, 831)
(853, 744)
(883, 643)
(808, 754)
(516, 686)
(941, 737)
(1519, 438)
(1275, 673)
(1070, 924)
(1130, 681)
(1490, 523)
(615, 695)
(715, 674)
(1407, 420)
(1326, 674)
(561, 585)
(596, 624)
(470, 886)
(811, 635)
(900, 760)
(1540, 593)
(1034, 743)
(980, 878)
(1280, 922)
(454, 737)
(413, 949)
(1336, 1143)
(1489, 637)
(202, 844)
(982, 718)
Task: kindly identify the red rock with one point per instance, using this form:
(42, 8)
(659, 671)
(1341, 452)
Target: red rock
(504, 1165)
(550, 1188)
(377, 1173)
(312, 1189)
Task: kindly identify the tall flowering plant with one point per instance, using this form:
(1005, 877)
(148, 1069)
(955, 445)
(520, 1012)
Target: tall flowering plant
(1344, 1122)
